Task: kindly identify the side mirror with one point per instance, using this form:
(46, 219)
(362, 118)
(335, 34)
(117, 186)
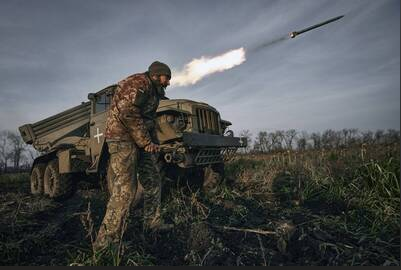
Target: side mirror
(91, 96)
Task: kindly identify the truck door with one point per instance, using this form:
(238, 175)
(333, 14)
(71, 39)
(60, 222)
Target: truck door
(100, 107)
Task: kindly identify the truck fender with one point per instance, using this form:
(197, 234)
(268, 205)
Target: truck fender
(44, 158)
(101, 163)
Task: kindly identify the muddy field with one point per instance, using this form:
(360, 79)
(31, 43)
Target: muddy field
(333, 208)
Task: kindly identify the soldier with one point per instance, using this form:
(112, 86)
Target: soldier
(131, 139)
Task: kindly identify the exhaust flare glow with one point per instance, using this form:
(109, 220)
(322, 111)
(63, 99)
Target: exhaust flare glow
(199, 68)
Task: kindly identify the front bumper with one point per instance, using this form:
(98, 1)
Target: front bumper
(207, 140)
(203, 149)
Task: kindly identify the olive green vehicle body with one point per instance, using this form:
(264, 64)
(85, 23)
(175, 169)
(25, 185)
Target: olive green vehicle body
(191, 134)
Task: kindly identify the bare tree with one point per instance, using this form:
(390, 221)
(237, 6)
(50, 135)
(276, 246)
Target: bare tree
(367, 137)
(248, 137)
(262, 142)
(4, 150)
(302, 140)
(31, 154)
(345, 135)
(301, 144)
(289, 137)
(336, 139)
(329, 139)
(379, 134)
(392, 136)
(353, 137)
(276, 140)
(17, 148)
(317, 140)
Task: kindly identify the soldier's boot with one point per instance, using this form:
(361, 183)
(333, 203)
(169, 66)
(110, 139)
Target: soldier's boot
(154, 223)
(103, 244)
(160, 226)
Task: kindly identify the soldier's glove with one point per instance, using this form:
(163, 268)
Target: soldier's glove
(152, 148)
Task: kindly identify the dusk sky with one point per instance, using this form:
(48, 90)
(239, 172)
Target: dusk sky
(343, 75)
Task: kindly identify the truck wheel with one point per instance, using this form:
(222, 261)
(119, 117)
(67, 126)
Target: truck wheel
(37, 181)
(56, 185)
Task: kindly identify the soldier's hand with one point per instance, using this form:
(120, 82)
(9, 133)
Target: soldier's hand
(152, 148)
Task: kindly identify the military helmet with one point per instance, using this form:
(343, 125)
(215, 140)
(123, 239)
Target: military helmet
(159, 68)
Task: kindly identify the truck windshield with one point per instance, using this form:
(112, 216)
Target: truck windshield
(102, 103)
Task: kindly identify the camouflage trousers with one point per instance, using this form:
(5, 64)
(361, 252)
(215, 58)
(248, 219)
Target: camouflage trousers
(126, 162)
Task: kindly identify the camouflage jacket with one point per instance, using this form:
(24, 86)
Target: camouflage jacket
(132, 112)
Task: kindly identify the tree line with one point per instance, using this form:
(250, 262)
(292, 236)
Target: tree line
(280, 140)
(15, 155)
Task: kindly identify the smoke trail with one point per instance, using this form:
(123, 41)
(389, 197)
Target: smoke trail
(199, 68)
(269, 43)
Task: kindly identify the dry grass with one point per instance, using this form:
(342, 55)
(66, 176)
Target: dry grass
(339, 207)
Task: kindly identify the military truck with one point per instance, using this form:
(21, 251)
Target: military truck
(192, 136)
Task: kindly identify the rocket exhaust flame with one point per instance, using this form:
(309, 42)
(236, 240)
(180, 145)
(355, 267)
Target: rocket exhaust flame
(199, 68)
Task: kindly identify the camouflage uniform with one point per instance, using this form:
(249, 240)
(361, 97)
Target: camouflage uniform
(130, 127)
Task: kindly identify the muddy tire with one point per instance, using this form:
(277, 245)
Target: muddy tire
(37, 182)
(56, 185)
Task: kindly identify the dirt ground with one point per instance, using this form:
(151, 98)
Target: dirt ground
(226, 228)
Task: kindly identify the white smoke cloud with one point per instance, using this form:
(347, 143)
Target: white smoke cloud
(199, 68)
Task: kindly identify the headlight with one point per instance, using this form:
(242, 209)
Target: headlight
(182, 121)
(179, 121)
(229, 133)
(170, 119)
